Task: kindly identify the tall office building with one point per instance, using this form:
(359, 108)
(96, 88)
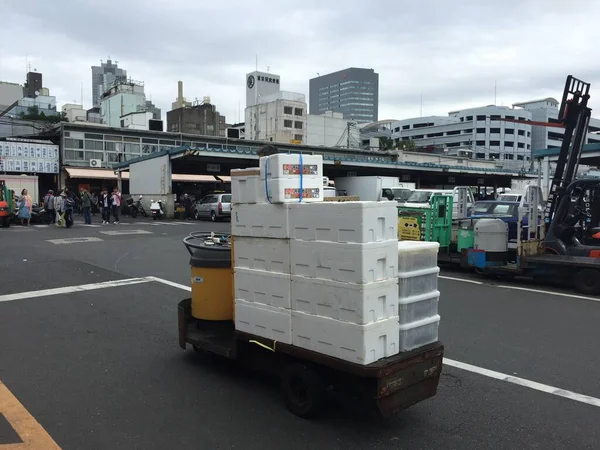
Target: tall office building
(104, 76)
(354, 92)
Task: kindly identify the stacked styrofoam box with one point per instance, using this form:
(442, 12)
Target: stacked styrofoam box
(260, 229)
(343, 279)
(246, 186)
(287, 177)
(417, 293)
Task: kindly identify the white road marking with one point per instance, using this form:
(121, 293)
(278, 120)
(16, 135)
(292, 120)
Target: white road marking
(75, 240)
(90, 225)
(71, 289)
(464, 280)
(171, 283)
(560, 294)
(124, 232)
(570, 395)
(41, 226)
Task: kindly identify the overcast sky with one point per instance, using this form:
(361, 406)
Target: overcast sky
(450, 52)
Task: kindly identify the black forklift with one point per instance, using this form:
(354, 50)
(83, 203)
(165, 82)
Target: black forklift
(568, 245)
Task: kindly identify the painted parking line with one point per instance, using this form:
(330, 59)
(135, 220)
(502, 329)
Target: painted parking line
(519, 288)
(32, 435)
(76, 240)
(124, 232)
(570, 395)
(72, 289)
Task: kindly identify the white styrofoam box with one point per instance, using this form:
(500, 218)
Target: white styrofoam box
(347, 262)
(246, 186)
(346, 302)
(260, 220)
(418, 282)
(360, 344)
(290, 190)
(416, 334)
(259, 286)
(417, 255)
(271, 255)
(344, 221)
(419, 307)
(284, 165)
(263, 320)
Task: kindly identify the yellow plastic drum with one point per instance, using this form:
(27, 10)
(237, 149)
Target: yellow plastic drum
(212, 278)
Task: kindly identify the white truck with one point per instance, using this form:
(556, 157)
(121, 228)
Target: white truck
(375, 188)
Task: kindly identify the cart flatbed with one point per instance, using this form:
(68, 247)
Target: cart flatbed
(392, 384)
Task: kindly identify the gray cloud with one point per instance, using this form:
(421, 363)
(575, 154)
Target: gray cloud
(450, 52)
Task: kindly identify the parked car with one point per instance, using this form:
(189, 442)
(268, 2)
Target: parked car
(216, 206)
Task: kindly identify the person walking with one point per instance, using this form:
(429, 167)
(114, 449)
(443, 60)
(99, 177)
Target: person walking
(69, 206)
(86, 205)
(49, 207)
(115, 199)
(94, 198)
(25, 205)
(106, 206)
(59, 209)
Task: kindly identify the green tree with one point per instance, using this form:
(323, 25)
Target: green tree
(386, 143)
(33, 113)
(407, 146)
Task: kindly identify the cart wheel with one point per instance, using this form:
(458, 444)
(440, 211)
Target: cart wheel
(302, 389)
(587, 281)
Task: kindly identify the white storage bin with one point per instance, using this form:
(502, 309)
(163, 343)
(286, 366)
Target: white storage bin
(419, 307)
(287, 190)
(418, 282)
(258, 286)
(417, 255)
(360, 344)
(284, 165)
(260, 220)
(347, 262)
(263, 320)
(346, 302)
(416, 334)
(358, 222)
(246, 186)
(271, 255)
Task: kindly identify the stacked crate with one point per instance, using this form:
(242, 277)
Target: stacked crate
(418, 296)
(260, 229)
(326, 276)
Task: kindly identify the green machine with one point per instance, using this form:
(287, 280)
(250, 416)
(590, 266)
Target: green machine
(433, 224)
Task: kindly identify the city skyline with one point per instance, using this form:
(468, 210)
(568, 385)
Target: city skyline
(450, 64)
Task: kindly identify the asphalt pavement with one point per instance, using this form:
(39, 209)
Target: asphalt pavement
(101, 368)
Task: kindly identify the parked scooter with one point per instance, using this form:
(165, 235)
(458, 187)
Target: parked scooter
(136, 207)
(156, 208)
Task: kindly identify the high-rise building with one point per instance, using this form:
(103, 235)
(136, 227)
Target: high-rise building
(354, 92)
(120, 99)
(104, 76)
(33, 84)
(201, 118)
(260, 84)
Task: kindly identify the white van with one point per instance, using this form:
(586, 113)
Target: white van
(420, 199)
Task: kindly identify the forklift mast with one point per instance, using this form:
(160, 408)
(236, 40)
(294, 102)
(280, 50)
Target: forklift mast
(574, 115)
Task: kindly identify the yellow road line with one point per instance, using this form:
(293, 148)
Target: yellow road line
(32, 434)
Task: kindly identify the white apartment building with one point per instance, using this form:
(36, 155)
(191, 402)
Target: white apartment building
(122, 98)
(546, 110)
(74, 112)
(480, 129)
(332, 130)
(278, 117)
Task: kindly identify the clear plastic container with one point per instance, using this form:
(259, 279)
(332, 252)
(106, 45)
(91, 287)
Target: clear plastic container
(411, 284)
(419, 307)
(417, 255)
(417, 334)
